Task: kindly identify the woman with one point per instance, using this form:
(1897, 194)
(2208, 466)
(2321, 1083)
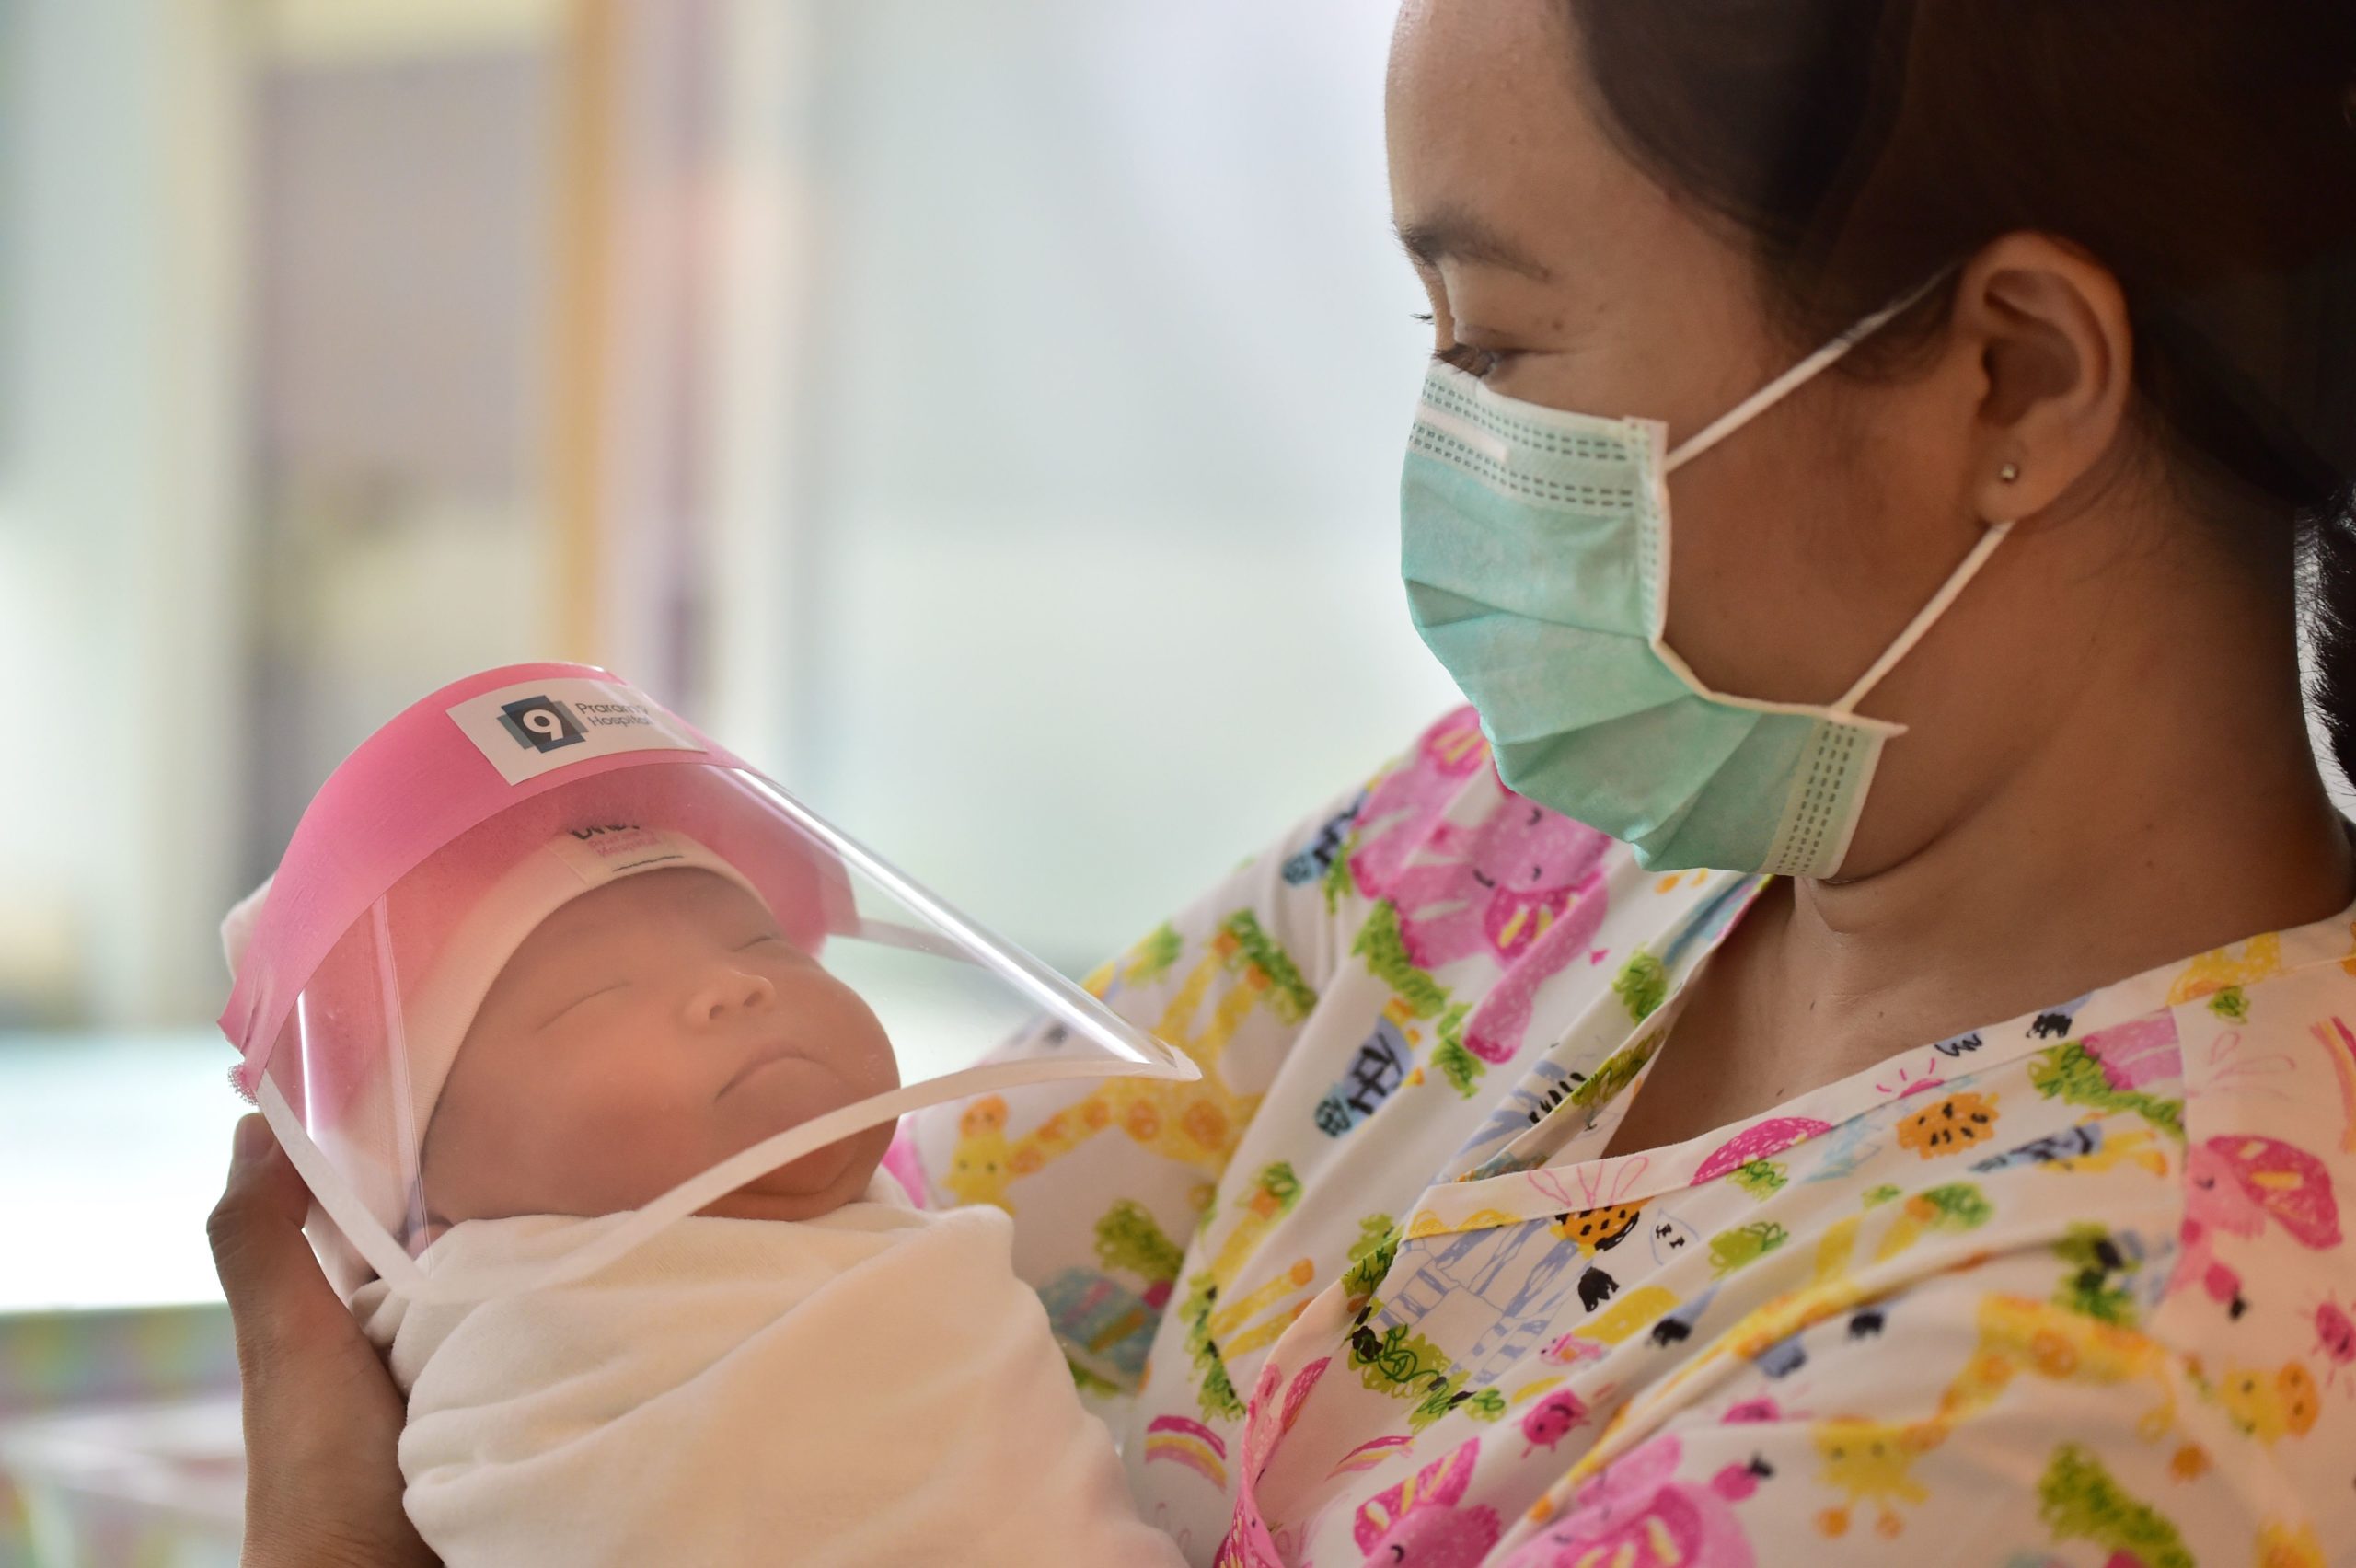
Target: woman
(1970, 1189)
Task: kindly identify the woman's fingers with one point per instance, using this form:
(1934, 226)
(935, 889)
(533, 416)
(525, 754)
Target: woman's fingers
(322, 1417)
(275, 1290)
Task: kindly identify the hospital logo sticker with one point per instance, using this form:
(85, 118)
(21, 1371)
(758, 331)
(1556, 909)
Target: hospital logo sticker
(541, 723)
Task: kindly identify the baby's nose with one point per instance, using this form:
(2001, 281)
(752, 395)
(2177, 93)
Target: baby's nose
(730, 993)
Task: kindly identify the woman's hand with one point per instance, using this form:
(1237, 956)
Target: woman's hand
(323, 1487)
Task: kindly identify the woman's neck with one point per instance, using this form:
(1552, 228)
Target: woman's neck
(2142, 829)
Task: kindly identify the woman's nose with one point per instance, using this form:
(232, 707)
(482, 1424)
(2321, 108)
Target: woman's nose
(728, 993)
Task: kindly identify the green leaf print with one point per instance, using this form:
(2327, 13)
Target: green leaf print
(1460, 1067)
(1088, 1383)
(1289, 997)
(2231, 1004)
(1214, 1393)
(2078, 1501)
(1760, 1178)
(1338, 883)
(1443, 1398)
(1370, 1256)
(1883, 1194)
(1618, 1071)
(1153, 958)
(1406, 1366)
(1216, 1396)
(1127, 1237)
(1958, 1205)
(2090, 1287)
(1486, 1405)
(2066, 1072)
(1277, 1180)
(1642, 985)
(1730, 1250)
(1385, 952)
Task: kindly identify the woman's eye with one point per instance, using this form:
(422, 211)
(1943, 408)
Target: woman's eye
(1478, 363)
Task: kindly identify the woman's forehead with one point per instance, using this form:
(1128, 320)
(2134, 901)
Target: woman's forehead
(1496, 160)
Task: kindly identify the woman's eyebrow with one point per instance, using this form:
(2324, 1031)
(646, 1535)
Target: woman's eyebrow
(1453, 235)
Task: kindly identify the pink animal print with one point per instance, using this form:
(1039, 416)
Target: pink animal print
(1525, 887)
(1248, 1542)
(1551, 1420)
(1757, 1141)
(1759, 1407)
(1421, 1521)
(1637, 1514)
(2132, 1055)
(2335, 1340)
(1406, 804)
(905, 1165)
(2236, 1183)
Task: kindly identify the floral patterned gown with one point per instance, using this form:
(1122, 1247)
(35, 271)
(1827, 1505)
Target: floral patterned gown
(2072, 1287)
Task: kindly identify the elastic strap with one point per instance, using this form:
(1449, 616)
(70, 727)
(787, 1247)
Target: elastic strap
(1926, 618)
(1776, 391)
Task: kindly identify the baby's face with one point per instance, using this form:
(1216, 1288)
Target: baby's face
(642, 1034)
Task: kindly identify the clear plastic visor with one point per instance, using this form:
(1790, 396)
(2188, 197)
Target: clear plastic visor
(659, 993)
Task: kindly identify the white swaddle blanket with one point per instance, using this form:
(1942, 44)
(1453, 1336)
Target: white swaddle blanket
(874, 1387)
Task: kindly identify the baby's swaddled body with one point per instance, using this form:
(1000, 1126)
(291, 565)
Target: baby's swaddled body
(808, 1370)
(872, 1386)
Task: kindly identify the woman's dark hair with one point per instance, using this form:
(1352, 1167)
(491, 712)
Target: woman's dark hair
(2203, 151)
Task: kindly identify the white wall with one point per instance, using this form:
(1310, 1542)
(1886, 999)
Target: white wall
(119, 563)
(1109, 380)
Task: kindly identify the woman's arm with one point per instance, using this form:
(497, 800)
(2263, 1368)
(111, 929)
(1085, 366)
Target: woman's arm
(323, 1487)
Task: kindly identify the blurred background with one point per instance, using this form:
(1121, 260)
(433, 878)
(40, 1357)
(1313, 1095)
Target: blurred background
(983, 416)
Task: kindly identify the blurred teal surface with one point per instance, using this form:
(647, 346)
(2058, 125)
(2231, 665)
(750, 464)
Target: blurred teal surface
(112, 1148)
(111, 1152)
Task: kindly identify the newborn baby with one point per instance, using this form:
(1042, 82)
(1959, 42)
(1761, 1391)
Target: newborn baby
(809, 1370)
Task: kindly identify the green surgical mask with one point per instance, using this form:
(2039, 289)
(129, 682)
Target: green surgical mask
(1535, 546)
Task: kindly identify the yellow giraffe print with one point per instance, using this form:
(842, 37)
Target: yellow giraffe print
(978, 1166)
(2251, 962)
(1227, 1323)
(1832, 1289)
(1872, 1461)
(2018, 1333)
(1268, 1202)
(1195, 1124)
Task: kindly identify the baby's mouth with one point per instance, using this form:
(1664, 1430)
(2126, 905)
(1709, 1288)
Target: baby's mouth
(770, 1055)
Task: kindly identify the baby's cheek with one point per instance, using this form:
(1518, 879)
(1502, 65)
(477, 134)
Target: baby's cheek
(629, 1141)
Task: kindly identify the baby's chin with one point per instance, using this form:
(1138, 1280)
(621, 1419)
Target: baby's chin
(819, 1182)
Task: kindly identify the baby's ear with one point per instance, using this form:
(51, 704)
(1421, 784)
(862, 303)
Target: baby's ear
(237, 926)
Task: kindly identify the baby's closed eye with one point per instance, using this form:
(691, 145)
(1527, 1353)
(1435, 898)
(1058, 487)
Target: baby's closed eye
(584, 997)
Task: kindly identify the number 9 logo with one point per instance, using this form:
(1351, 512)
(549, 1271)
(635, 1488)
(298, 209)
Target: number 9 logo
(542, 723)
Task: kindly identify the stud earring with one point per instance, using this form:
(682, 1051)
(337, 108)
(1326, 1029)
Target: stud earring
(2009, 472)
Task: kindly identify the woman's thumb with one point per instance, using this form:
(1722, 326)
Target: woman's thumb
(267, 1270)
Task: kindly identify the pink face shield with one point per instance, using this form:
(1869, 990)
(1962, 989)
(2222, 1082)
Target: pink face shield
(543, 970)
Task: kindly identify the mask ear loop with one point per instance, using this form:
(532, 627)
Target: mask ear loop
(1925, 618)
(1776, 391)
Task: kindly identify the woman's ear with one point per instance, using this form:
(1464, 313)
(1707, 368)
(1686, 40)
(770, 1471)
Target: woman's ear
(2049, 331)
